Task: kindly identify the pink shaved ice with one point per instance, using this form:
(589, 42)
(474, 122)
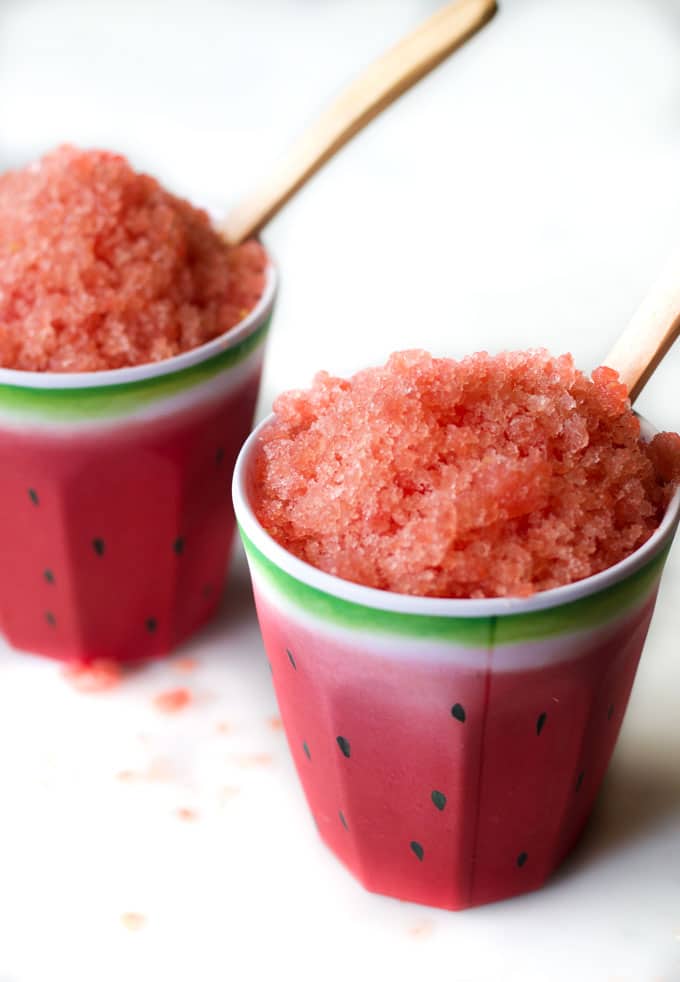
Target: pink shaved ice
(492, 476)
(101, 268)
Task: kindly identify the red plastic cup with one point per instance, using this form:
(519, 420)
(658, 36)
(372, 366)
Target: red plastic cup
(115, 503)
(450, 750)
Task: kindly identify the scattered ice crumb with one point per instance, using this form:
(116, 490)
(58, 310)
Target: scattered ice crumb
(133, 920)
(172, 700)
(186, 814)
(186, 665)
(159, 769)
(96, 676)
(252, 760)
(421, 929)
(275, 723)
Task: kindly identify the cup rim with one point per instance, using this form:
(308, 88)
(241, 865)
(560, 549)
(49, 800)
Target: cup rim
(387, 600)
(155, 369)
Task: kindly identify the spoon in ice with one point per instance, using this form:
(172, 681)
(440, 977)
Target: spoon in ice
(378, 86)
(651, 332)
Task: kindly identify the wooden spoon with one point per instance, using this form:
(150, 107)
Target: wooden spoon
(651, 332)
(383, 82)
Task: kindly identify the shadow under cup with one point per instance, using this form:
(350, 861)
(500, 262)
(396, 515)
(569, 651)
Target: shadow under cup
(450, 750)
(115, 496)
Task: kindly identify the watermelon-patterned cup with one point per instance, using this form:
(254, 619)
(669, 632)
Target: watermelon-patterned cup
(450, 750)
(115, 496)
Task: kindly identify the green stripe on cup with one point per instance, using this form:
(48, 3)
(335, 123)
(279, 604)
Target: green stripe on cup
(477, 632)
(591, 611)
(98, 401)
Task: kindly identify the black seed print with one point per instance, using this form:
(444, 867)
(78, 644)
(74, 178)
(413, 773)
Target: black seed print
(306, 750)
(610, 711)
(49, 576)
(33, 495)
(540, 723)
(438, 800)
(270, 667)
(418, 850)
(579, 781)
(344, 821)
(207, 590)
(458, 712)
(291, 659)
(178, 546)
(343, 744)
(51, 619)
(151, 624)
(99, 546)
(219, 455)
(521, 859)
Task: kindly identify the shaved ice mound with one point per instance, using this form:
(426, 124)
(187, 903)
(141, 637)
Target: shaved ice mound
(101, 268)
(489, 477)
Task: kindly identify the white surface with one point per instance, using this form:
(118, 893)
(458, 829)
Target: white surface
(524, 194)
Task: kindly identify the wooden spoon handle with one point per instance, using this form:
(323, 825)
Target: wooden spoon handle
(651, 332)
(381, 83)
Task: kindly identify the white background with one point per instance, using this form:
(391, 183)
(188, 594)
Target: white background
(524, 194)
